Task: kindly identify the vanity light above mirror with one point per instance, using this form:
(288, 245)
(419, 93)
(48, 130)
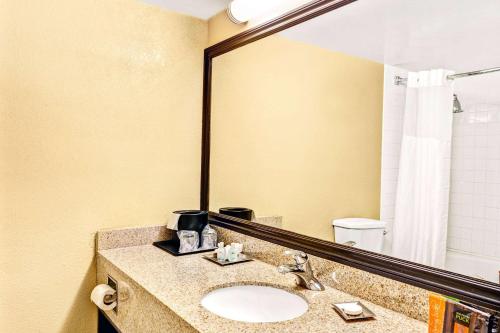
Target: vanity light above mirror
(243, 11)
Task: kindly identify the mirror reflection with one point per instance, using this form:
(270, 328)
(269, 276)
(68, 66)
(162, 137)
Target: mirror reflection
(384, 137)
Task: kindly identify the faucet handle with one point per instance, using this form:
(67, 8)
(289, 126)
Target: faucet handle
(299, 256)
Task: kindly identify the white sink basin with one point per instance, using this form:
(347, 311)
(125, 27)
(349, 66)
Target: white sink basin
(254, 304)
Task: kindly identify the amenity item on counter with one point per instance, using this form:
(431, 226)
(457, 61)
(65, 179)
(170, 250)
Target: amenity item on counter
(208, 238)
(450, 316)
(352, 309)
(229, 252)
(189, 241)
(233, 254)
(221, 252)
(235, 250)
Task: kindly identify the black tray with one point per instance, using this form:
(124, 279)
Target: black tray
(172, 246)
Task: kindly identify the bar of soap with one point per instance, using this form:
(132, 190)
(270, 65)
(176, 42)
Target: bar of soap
(352, 309)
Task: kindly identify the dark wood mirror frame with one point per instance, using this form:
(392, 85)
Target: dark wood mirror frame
(476, 291)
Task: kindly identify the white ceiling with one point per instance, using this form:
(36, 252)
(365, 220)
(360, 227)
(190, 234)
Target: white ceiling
(203, 9)
(460, 35)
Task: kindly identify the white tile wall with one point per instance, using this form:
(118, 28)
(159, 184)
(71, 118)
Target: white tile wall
(392, 132)
(474, 225)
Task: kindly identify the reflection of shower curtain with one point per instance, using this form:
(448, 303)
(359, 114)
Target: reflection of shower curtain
(421, 213)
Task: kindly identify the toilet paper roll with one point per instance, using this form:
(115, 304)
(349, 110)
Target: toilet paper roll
(98, 294)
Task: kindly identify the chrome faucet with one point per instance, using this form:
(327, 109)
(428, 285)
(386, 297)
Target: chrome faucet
(302, 270)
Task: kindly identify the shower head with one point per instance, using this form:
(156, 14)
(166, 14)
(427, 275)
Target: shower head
(457, 107)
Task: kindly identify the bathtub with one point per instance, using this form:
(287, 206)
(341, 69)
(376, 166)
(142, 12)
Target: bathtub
(486, 268)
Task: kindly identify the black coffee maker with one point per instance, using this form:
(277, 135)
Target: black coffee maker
(194, 220)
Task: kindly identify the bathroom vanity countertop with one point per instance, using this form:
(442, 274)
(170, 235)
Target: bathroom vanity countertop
(181, 282)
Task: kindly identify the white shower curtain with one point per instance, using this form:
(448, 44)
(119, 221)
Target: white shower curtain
(421, 208)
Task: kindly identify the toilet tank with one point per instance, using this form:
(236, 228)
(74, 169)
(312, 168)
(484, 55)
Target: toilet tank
(367, 234)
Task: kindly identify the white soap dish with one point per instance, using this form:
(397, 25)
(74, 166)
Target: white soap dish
(353, 311)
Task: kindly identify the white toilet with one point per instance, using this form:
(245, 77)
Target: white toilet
(362, 233)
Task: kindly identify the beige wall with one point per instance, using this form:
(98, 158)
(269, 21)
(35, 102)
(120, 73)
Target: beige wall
(296, 131)
(220, 28)
(100, 113)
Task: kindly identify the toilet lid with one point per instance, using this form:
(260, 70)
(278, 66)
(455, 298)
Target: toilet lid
(359, 223)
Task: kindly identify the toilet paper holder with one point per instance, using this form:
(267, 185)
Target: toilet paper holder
(108, 296)
(109, 299)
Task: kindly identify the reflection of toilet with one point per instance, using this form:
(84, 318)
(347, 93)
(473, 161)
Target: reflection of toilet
(366, 234)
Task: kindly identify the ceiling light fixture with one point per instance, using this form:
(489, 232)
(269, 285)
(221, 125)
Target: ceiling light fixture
(241, 11)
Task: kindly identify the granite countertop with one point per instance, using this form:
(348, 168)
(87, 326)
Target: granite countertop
(181, 282)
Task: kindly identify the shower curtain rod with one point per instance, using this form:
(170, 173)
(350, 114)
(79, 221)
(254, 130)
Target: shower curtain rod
(398, 80)
(473, 73)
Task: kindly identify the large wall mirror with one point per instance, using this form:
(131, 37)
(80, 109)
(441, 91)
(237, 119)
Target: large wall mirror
(358, 127)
